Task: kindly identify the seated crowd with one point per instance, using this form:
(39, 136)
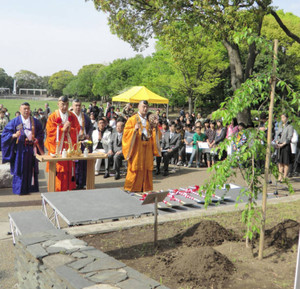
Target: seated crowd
(187, 139)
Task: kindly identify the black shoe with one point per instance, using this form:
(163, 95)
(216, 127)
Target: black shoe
(157, 172)
(165, 174)
(117, 176)
(106, 175)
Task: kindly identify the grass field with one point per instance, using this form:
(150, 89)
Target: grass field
(13, 104)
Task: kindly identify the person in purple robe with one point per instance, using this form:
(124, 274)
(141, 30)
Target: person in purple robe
(86, 130)
(22, 139)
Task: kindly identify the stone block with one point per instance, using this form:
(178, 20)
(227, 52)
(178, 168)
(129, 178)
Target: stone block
(79, 264)
(37, 251)
(73, 278)
(79, 255)
(109, 276)
(94, 253)
(69, 244)
(103, 264)
(133, 283)
(102, 286)
(5, 176)
(57, 260)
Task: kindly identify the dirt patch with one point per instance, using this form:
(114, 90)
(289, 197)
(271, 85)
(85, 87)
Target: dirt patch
(201, 253)
(202, 267)
(284, 235)
(206, 233)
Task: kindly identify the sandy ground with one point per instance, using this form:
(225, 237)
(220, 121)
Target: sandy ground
(181, 177)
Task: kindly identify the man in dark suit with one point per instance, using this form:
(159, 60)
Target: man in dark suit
(115, 150)
(170, 145)
(86, 130)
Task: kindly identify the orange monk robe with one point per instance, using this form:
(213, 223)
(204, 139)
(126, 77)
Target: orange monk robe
(65, 171)
(139, 154)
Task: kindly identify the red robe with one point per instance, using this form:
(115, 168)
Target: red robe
(65, 171)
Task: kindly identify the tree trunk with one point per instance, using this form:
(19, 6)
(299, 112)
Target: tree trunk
(268, 156)
(236, 67)
(237, 76)
(190, 104)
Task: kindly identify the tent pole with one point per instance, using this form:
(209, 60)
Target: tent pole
(167, 111)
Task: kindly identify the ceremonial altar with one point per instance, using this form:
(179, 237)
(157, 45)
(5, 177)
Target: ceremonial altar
(90, 176)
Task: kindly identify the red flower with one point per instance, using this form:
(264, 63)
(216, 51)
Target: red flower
(59, 120)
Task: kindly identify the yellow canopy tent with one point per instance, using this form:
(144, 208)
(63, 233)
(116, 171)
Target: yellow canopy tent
(138, 93)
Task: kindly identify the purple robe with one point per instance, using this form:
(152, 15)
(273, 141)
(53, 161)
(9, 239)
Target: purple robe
(23, 164)
(81, 166)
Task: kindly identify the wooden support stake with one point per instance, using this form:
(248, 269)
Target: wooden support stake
(155, 222)
(268, 155)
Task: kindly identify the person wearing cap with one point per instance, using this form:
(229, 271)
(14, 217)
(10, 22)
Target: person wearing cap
(62, 130)
(86, 130)
(140, 142)
(22, 139)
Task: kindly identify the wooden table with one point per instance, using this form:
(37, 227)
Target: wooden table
(90, 174)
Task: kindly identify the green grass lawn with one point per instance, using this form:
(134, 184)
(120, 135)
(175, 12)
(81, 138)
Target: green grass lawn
(13, 104)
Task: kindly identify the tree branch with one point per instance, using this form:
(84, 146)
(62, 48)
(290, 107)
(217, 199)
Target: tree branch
(284, 28)
(280, 23)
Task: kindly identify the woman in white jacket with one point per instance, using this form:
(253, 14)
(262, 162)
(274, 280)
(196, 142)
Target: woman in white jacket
(101, 143)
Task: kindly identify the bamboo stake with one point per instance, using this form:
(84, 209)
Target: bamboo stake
(268, 155)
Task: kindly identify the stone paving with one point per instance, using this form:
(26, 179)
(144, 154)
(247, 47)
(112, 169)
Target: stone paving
(54, 259)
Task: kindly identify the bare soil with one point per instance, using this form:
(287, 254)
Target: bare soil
(210, 252)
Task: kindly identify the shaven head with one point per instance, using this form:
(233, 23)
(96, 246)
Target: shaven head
(25, 109)
(143, 107)
(76, 105)
(63, 104)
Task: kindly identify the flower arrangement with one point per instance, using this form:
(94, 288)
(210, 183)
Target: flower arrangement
(87, 143)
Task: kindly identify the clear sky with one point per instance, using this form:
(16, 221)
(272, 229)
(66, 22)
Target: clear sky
(45, 36)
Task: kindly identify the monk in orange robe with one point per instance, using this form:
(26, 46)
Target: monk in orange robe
(140, 143)
(62, 128)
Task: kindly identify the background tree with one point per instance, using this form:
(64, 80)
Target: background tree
(199, 59)
(289, 49)
(83, 83)
(119, 75)
(27, 79)
(6, 81)
(58, 81)
(137, 20)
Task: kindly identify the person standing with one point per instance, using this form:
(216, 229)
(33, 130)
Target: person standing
(283, 144)
(62, 129)
(47, 110)
(101, 141)
(95, 109)
(198, 137)
(22, 139)
(128, 111)
(115, 151)
(85, 133)
(3, 123)
(139, 144)
(210, 134)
